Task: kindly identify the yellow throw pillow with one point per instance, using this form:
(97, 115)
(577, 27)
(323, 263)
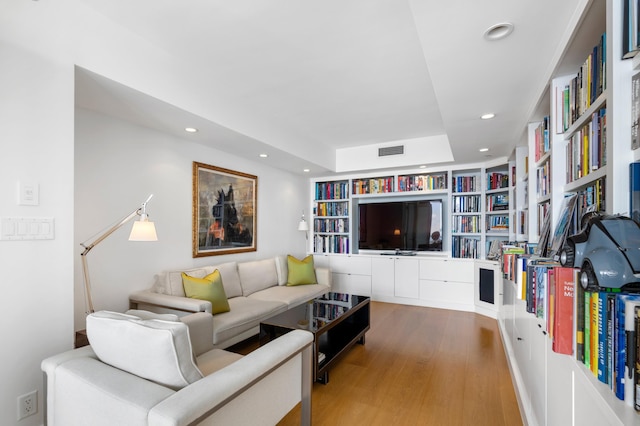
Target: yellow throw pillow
(301, 271)
(208, 288)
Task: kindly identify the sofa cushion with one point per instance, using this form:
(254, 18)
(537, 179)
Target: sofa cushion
(244, 315)
(208, 288)
(257, 275)
(147, 315)
(292, 296)
(156, 350)
(301, 271)
(216, 359)
(230, 279)
(170, 282)
(281, 269)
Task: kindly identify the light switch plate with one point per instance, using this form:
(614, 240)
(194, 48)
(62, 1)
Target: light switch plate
(28, 194)
(26, 228)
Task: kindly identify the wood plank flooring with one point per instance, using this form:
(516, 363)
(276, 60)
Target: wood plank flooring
(419, 366)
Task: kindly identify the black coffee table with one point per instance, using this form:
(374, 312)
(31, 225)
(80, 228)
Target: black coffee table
(337, 321)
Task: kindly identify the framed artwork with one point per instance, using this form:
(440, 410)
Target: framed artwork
(224, 211)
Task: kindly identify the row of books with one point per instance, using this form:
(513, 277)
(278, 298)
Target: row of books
(465, 184)
(466, 204)
(422, 182)
(586, 149)
(464, 247)
(332, 209)
(585, 87)
(497, 223)
(607, 330)
(331, 243)
(466, 224)
(600, 328)
(331, 225)
(543, 180)
(331, 190)
(496, 202)
(591, 197)
(497, 180)
(373, 186)
(542, 144)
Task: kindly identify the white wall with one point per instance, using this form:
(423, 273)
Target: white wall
(40, 43)
(118, 164)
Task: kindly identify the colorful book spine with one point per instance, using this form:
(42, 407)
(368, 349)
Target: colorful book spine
(563, 312)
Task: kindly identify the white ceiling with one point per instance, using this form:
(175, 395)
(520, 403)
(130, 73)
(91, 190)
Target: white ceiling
(347, 73)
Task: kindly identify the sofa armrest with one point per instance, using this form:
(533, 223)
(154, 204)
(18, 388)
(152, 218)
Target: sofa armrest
(200, 331)
(272, 379)
(148, 300)
(323, 276)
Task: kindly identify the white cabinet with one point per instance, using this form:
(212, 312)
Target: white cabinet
(383, 278)
(406, 277)
(394, 277)
(447, 283)
(351, 274)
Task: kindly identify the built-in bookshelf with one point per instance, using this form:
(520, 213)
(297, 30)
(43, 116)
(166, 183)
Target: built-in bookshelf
(422, 182)
(331, 217)
(466, 217)
(374, 185)
(582, 146)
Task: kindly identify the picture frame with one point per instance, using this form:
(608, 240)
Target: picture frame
(224, 211)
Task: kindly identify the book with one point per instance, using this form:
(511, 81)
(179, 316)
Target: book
(636, 366)
(564, 278)
(631, 373)
(587, 329)
(579, 314)
(602, 337)
(634, 190)
(593, 362)
(622, 373)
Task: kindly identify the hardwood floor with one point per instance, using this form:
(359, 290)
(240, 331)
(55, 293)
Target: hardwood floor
(419, 366)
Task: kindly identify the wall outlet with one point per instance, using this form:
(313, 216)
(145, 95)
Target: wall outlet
(27, 404)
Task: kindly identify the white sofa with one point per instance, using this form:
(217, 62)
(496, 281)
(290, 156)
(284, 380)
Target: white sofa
(256, 290)
(142, 372)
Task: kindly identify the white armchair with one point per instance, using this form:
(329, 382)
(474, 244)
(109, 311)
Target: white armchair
(139, 372)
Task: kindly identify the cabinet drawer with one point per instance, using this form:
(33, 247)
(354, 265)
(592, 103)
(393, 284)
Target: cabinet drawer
(446, 292)
(351, 284)
(446, 270)
(360, 265)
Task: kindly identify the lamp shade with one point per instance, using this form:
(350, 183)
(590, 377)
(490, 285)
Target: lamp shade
(143, 230)
(303, 225)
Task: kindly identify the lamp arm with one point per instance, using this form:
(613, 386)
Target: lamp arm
(140, 211)
(88, 246)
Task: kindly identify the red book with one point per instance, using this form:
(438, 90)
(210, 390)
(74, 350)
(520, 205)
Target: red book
(563, 316)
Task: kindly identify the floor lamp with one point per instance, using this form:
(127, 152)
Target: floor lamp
(142, 230)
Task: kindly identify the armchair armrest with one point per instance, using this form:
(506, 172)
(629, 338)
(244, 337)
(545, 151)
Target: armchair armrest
(272, 379)
(148, 300)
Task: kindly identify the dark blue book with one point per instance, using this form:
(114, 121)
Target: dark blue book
(621, 342)
(634, 191)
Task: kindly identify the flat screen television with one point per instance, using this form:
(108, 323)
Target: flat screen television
(404, 225)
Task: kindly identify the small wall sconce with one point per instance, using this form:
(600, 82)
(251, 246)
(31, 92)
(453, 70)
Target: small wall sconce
(303, 226)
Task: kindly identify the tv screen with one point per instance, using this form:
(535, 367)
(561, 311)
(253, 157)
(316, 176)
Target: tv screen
(404, 225)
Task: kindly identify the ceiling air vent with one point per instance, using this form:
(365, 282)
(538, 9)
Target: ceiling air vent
(391, 150)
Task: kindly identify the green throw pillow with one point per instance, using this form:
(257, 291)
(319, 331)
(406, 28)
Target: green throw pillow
(208, 288)
(301, 271)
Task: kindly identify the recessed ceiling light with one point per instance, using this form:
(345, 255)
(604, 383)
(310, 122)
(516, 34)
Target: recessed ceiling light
(306, 170)
(483, 149)
(264, 155)
(498, 31)
(423, 167)
(488, 116)
(190, 129)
